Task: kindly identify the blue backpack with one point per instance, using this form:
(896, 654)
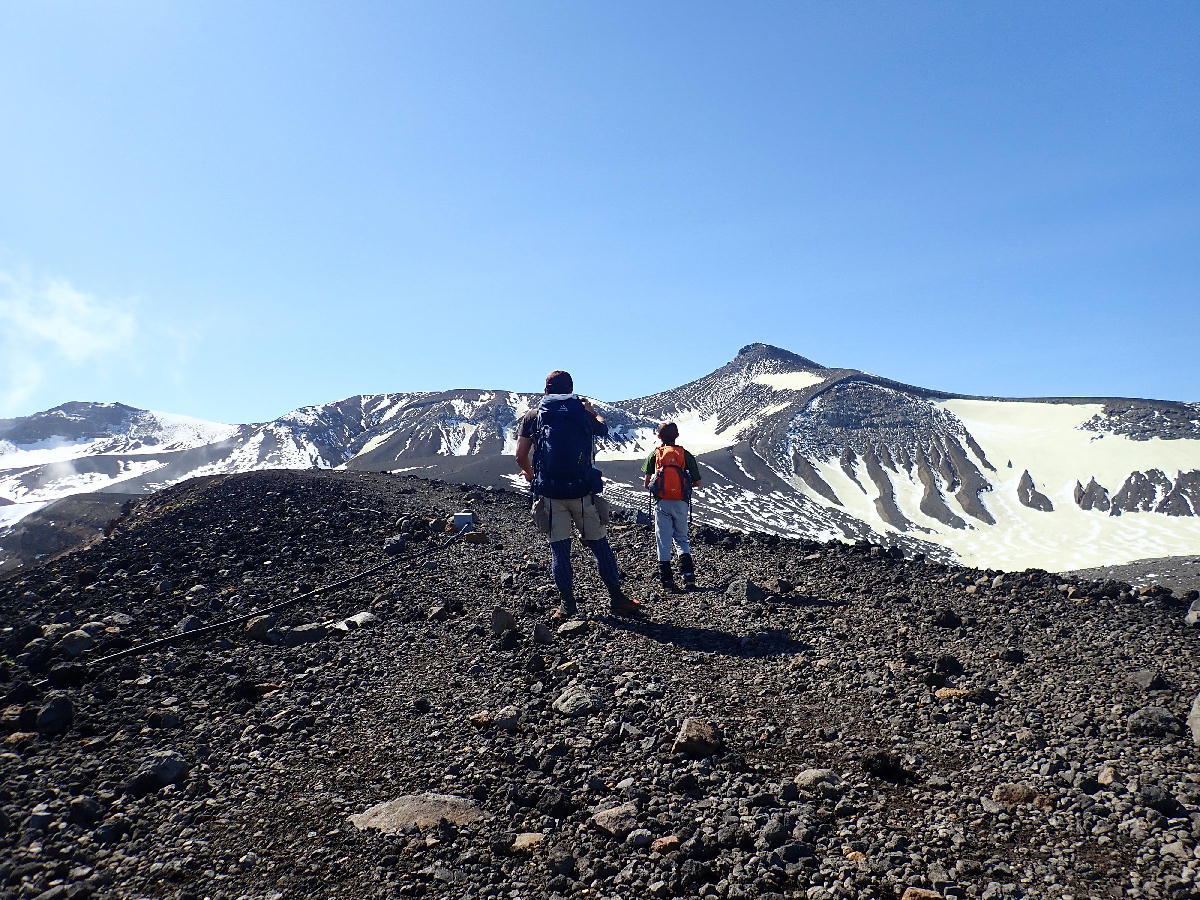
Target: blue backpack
(562, 451)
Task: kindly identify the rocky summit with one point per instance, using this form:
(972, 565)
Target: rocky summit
(816, 721)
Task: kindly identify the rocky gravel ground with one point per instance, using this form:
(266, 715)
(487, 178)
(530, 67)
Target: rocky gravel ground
(819, 721)
(1180, 573)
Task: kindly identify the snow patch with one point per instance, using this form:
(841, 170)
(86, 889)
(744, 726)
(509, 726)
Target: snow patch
(12, 514)
(789, 381)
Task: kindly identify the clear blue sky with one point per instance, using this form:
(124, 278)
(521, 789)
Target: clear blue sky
(230, 209)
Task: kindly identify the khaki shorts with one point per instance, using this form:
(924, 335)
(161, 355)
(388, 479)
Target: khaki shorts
(567, 515)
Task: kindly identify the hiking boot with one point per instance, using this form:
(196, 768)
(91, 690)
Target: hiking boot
(620, 603)
(566, 607)
(688, 571)
(666, 578)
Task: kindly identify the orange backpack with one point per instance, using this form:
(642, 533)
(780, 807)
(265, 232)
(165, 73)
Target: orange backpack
(671, 478)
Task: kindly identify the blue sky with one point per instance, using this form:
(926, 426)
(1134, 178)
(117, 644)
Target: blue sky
(233, 209)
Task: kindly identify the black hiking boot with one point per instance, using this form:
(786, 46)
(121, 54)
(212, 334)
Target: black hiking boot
(620, 603)
(688, 570)
(566, 607)
(666, 578)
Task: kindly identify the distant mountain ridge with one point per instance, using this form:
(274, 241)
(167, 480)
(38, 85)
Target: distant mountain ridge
(786, 445)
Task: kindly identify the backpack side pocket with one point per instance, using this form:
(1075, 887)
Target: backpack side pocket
(541, 515)
(603, 508)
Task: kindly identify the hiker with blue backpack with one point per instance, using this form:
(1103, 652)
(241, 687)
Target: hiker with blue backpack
(671, 473)
(555, 454)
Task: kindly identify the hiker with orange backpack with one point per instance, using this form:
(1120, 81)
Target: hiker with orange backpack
(671, 473)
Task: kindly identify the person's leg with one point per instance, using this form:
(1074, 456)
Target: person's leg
(687, 568)
(663, 530)
(662, 533)
(679, 525)
(560, 548)
(606, 562)
(564, 578)
(610, 574)
(595, 538)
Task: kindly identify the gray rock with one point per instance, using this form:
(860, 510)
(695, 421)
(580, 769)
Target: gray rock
(502, 621)
(188, 623)
(1193, 720)
(1154, 721)
(1147, 680)
(56, 714)
(302, 634)
(542, 634)
(817, 779)
(40, 818)
(362, 619)
(575, 702)
(508, 719)
(258, 627)
(573, 628)
(745, 589)
(1193, 614)
(639, 837)
(74, 643)
(697, 738)
(618, 821)
(157, 771)
(421, 810)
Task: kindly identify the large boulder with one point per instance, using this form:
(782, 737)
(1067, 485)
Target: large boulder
(1193, 720)
(816, 780)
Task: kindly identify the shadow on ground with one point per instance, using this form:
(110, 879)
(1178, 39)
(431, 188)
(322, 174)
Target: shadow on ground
(768, 642)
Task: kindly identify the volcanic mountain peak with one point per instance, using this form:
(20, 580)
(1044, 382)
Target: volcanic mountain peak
(769, 353)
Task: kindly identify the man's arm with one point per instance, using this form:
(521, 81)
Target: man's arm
(693, 467)
(601, 428)
(524, 445)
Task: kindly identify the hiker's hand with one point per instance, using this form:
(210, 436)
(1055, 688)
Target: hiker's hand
(587, 404)
(527, 475)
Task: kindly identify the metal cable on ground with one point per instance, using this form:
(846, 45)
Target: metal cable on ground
(205, 629)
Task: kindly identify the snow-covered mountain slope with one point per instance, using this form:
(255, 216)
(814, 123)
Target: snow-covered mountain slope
(785, 444)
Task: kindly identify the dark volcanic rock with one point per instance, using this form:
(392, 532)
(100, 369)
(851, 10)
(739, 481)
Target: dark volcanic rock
(697, 738)
(157, 771)
(1154, 721)
(1094, 496)
(863, 744)
(56, 714)
(1030, 496)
